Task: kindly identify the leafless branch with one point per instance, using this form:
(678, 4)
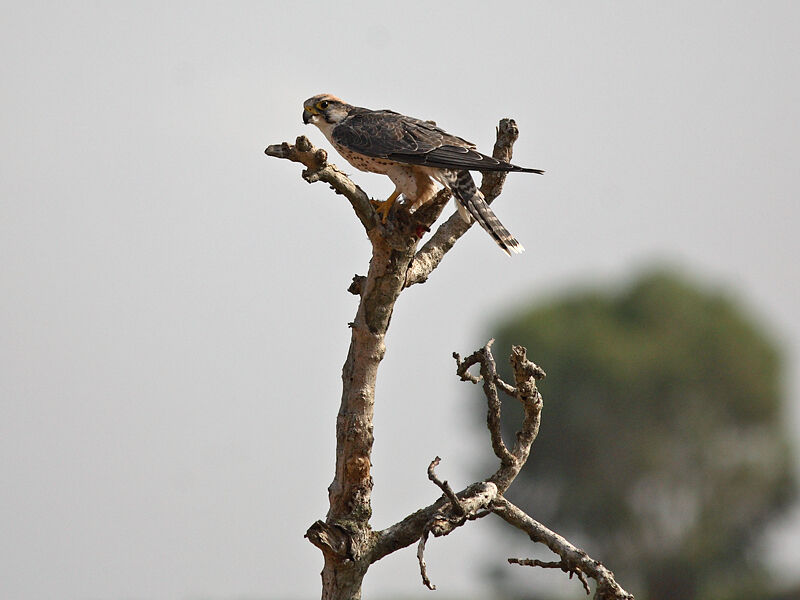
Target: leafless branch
(489, 377)
(564, 566)
(462, 367)
(573, 559)
(525, 375)
(474, 499)
(318, 169)
(445, 487)
(423, 569)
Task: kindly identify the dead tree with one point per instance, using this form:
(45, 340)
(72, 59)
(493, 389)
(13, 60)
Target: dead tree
(348, 542)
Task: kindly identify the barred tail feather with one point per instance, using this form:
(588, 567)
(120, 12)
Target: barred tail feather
(468, 196)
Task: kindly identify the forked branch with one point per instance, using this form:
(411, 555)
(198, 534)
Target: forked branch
(573, 559)
(451, 511)
(318, 169)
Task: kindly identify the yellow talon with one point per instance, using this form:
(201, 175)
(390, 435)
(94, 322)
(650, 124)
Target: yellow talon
(382, 207)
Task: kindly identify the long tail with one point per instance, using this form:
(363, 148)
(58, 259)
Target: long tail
(470, 198)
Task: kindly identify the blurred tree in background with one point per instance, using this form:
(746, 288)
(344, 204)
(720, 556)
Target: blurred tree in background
(662, 448)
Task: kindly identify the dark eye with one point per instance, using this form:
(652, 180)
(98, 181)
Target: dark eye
(323, 105)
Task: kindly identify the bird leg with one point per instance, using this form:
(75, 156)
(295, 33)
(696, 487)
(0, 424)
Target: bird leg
(382, 207)
(426, 190)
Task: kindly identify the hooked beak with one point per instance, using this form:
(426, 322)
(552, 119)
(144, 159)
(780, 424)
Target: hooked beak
(307, 116)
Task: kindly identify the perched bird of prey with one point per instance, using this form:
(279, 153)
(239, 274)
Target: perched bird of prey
(414, 154)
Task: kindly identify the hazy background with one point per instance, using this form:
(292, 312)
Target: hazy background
(172, 302)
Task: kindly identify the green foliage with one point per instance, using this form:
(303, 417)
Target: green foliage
(662, 446)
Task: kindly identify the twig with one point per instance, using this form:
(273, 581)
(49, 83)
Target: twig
(526, 374)
(441, 523)
(572, 556)
(508, 390)
(462, 367)
(318, 169)
(445, 487)
(488, 376)
(564, 566)
(475, 500)
(423, 569)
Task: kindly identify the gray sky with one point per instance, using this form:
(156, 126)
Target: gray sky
(173, 300)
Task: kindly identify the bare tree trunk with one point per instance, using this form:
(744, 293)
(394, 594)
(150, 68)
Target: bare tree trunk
(350, 491)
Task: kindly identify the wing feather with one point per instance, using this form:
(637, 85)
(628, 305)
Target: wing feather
(381, 133)
(458, 157)
(387, 134)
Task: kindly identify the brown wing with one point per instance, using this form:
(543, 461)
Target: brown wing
(387, 134)
(381, 133)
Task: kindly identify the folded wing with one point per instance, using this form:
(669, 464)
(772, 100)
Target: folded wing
(390, 135)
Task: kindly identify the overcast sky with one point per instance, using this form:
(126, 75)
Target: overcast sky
(173, 306)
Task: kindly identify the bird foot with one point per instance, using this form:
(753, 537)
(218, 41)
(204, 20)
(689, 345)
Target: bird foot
(382, 207)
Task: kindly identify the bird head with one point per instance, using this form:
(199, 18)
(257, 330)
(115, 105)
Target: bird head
(324, 109)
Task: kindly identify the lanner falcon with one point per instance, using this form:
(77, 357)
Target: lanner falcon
(414, 154)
